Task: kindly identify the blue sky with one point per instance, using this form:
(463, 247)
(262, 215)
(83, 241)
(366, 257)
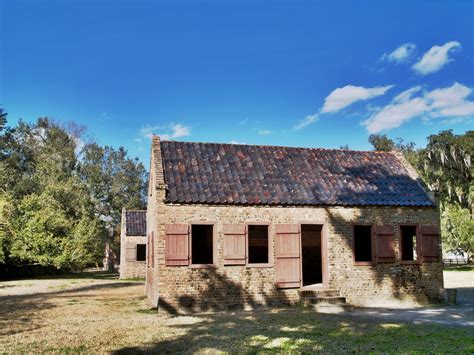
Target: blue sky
(296, 73)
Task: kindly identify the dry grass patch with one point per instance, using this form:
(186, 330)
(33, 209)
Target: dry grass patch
(108, 315)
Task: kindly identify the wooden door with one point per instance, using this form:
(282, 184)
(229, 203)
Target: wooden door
(288, 255)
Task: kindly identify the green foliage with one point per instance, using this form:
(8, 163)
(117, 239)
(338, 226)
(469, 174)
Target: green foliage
(445, 166)
(51, 212)
(457, 227)
(114, 179)
(381, 142)
(3, 119)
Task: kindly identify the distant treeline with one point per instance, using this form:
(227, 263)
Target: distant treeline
(61, 196)
(61, 193)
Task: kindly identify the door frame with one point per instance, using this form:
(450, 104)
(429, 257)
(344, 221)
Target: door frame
(324, 254)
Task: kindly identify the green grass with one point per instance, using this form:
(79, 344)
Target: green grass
(137, 279)
(112, 316)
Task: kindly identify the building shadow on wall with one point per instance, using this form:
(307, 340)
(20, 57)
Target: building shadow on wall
(217, 292)
(414, 279)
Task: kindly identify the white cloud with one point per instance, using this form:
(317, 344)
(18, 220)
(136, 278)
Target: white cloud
(147, 131)
(436, 58)
(451, 99)
(445, 102)
(347, 95)
(393, 115)
(177, 131)
(264, 132)
(343, 97)
(307, 121)
(401, 54)
(407, 94)
(236, 142)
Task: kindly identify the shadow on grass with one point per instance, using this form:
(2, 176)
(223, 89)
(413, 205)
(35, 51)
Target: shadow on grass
(96, 275)
(297, 329)
(19, 313)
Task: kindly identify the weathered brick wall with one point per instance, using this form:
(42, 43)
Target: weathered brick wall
(188, 287)
(131, 268)
(156, 195)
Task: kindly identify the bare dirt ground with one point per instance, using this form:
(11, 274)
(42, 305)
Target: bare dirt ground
(97, 313)
(459, 315)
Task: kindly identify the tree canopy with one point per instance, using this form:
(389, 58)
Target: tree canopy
(445, 167)
(60, 199)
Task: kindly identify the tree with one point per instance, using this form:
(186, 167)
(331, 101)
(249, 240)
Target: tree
(457, 229)
(381, 142)
(3, 119)
(446, 167)
(114, 180)
(60, 198)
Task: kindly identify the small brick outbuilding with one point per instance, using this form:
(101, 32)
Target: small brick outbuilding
(241, 225)
(133, 244)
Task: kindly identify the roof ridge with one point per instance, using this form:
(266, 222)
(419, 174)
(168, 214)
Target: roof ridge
(282, 146)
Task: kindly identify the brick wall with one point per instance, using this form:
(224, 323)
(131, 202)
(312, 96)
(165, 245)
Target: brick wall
(187, 288)
(130, 268)
(383, 284)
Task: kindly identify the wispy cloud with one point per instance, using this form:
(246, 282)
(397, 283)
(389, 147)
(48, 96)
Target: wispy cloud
(236, 142)
(172, 131)
(343, 97)
(307, 121)
(436, 58)
(347, 95)
(447, 102)
(264, 132)
(401, 54)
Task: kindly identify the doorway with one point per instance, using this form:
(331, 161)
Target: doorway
(312, 256)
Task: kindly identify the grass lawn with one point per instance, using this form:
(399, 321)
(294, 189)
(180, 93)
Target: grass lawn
(102, 314)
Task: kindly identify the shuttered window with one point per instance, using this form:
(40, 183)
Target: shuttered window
(177, 244)
(287, 255)
(363, 244)
(409, 248)
(385, 244)
(234, 244)
(202, 244)
(429, 243)
(141, 252)
(257, 243)
(130, 252)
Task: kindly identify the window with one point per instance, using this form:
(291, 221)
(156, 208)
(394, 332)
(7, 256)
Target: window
(408, 250)
(141, 252)
(258, 244)
(362, 243)
(201, 244)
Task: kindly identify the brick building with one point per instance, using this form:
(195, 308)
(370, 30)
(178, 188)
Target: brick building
(133, 244)
(241, 225)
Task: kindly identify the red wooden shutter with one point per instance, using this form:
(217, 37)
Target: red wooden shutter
(152, 249)
(148, 245)
(429, 243)
(130, 252)
(287, 258)
(177, 244)
(384, 244)
(234, 244)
